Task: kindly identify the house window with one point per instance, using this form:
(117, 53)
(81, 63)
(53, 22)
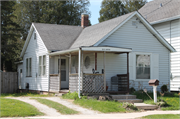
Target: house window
(34, 36)
(42, 65)
(143, 66)
(28, 67)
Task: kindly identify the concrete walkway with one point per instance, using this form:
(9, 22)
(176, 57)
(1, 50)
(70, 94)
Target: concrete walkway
(104, 116)
(85, 113)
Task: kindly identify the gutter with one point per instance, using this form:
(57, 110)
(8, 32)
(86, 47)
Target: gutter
(165, 20)
(63, 52)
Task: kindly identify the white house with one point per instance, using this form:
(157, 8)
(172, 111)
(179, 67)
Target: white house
(123, 52)
(164, 16)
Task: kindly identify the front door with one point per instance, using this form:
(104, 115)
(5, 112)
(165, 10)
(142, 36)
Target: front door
(64, 74)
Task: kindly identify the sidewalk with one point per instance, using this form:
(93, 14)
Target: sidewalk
(102, 116)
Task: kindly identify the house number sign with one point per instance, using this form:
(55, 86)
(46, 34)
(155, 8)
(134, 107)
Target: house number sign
(106, 49)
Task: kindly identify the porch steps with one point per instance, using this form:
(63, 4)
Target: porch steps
(145, 106)
(126, 98)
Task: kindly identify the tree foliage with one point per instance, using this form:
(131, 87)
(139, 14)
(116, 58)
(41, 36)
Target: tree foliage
(54, 12)
(111, 9)
(134, 5)
(10, 36)
(114, 8)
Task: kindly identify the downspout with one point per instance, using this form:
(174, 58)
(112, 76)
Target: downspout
(79, 72)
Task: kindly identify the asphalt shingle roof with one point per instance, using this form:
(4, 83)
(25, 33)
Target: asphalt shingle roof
(58, 37)
(153, 11)
(92, 34)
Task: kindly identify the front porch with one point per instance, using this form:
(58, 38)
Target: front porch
(94, 64)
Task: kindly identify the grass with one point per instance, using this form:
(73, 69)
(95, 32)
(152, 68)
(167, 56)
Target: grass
(171, 101)
(101, 106)
(61, 108)
(23, 94)
(16, 108)
(162, 116)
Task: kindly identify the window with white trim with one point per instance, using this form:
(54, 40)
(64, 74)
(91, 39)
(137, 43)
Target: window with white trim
(42, 65)
(143, 66)
(28, 67)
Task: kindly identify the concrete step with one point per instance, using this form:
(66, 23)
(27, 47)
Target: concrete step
(130, 100)
(123, 96)
(145, 106)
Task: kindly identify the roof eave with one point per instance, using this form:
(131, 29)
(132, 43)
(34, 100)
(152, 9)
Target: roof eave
(154, 32)
(165, 20)
(27, 41)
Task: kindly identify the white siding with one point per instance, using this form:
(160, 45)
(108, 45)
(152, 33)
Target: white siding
(35, 49)
(171, 32)
(140, 40)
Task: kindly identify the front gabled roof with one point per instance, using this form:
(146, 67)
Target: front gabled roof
(94, 35)
(55, 37)
(157, 11)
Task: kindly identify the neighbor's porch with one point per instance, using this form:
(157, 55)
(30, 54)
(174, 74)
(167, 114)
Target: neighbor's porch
(95, 65)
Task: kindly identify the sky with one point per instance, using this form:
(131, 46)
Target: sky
(94, 8)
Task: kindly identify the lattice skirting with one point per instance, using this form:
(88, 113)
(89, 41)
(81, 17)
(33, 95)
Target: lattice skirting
(93, 84)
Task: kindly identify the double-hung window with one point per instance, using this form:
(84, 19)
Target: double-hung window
(143, 66)
(28, 67)
(42, 65)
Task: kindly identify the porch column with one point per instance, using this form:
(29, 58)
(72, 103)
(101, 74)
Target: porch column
(79, 72)
(69, 64)
(104, 70)
(128, 72)
(82, 61)
(59, 72)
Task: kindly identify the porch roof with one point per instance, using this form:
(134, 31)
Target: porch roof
(93, 49)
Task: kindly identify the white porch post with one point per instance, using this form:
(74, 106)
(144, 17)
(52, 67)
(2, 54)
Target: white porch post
(82, 61)
(79, 73)
(104, 71)
(59, 72)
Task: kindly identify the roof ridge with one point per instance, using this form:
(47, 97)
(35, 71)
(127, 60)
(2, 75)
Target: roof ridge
(56, 24)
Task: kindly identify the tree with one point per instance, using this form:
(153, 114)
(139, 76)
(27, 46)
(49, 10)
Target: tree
(54, 12)
(111, 8)
(10, 36)
(134, 5)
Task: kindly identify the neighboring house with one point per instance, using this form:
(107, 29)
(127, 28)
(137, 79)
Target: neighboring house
(56, 57)
(164, 16)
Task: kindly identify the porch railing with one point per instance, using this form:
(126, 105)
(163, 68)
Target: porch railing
(123, 82)
(93, 83)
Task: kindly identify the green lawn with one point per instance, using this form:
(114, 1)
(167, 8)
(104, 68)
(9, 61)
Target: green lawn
(16, 108)
(101, 106)
(23, 94)
(61, 108)
(171, 102)
(162, 116)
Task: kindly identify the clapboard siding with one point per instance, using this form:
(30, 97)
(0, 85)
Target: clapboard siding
(171, 32)
(35, 49)
(140, 40)
(73, 83)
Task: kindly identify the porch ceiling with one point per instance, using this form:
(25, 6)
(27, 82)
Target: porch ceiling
(106, 49)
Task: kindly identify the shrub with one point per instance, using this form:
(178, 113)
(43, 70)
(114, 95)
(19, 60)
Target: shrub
(164, 88)
(70, 95)
(132, 90)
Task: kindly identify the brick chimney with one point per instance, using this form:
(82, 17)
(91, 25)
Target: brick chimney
(84, 20)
